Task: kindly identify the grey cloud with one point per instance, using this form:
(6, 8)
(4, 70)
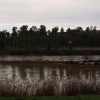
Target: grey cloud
(64, 13)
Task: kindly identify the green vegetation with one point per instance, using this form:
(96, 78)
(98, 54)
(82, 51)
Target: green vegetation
(79, 97)
(39, 38)
(80, 39)
(42, 37)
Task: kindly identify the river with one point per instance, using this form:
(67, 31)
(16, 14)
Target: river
(43, 71)
(25, 75)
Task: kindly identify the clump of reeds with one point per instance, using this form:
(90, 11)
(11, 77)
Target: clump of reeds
(50, 87)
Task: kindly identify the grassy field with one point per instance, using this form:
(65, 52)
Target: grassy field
(79, 97)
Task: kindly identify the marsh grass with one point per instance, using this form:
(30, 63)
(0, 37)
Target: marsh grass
(14, 87)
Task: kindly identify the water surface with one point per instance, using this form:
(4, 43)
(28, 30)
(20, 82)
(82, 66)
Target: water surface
(45, 71)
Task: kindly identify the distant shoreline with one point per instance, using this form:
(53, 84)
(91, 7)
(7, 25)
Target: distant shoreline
(52, 62)
(75, 60)
(62, 51)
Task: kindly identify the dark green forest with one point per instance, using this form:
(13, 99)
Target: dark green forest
(34, 37)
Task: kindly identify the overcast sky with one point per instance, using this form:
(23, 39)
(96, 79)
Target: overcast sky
(51, 13)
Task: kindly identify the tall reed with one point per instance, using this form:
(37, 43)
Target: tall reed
(50, 87)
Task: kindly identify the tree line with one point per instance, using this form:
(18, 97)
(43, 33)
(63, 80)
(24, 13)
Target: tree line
(56, 36)
(34, 31)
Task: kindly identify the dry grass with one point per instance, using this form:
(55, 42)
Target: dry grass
(49, 87)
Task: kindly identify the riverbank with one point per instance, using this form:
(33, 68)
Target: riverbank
(52, 62)
(79, 97)
(55, 51)
(76, 60)
(50, 58)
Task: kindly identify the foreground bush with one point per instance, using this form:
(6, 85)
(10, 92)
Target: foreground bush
(49, 87)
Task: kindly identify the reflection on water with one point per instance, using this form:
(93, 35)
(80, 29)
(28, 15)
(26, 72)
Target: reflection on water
(49, 71)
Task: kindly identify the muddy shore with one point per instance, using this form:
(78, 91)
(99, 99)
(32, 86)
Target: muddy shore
(79, 60)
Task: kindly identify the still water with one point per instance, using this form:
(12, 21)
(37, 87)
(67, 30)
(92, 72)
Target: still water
(45, 71)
